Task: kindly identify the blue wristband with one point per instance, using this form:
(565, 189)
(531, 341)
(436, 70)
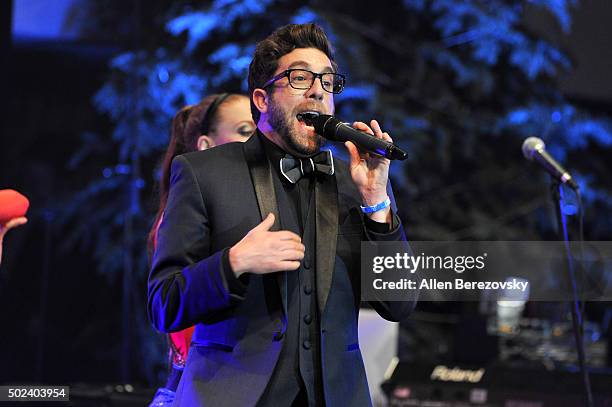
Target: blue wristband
(375, 208)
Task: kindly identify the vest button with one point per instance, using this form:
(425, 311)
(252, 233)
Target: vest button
(307, 319)
(306, 345)
(307, 289)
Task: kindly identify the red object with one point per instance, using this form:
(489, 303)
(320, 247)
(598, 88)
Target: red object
(180, 342)
(12, 205)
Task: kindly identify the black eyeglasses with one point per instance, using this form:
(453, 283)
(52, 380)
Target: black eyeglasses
(304, 79)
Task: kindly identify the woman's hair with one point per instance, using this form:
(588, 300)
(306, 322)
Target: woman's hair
(188, 125)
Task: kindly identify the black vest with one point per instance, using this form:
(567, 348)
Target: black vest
(298, 372)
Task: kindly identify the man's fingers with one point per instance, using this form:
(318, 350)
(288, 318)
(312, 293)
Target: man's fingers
(285, 247)
(265, 224)
(363, 127)
(376, 128)
(291, 255)
(289, 265)
(354, 154)
(287, 235)
(295, 246)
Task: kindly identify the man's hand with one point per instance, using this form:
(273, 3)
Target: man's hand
(9, 225)
(370, 172)
(262, 251)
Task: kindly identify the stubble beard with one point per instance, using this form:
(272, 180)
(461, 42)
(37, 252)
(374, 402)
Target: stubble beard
(295, 142)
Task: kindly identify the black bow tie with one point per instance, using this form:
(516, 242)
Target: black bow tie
(294, 168)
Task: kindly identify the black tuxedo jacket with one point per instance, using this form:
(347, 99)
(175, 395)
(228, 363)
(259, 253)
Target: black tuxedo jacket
(216, 197)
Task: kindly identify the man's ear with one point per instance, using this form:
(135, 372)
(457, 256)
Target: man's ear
(204, 142)
(260, 100)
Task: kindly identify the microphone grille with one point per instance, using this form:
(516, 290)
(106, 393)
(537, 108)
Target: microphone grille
(531, 145)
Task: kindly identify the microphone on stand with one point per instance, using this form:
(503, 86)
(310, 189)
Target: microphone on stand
(333, 129)
(534, 149)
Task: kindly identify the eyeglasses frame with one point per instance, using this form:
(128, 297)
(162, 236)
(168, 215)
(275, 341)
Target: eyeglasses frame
(286, 73)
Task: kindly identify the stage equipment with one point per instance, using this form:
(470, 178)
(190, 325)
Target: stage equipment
(534, 149)
(452, 385)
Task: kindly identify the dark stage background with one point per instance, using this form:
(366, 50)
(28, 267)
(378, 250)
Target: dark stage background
(89, 89)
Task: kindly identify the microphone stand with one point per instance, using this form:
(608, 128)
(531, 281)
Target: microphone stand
(557, 193)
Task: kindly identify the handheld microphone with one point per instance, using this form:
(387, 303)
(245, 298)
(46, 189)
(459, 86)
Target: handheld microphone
(333, 129)
(534, 149)
(12, 205)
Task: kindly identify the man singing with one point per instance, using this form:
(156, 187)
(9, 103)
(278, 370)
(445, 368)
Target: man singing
(260, 245)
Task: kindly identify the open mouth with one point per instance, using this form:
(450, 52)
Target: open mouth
(305, 118)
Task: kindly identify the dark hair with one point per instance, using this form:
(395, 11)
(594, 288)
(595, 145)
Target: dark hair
(186, 129)
(281, 42)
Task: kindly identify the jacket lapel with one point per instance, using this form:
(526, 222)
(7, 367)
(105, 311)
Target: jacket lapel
(326, 235)
(261, 177)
